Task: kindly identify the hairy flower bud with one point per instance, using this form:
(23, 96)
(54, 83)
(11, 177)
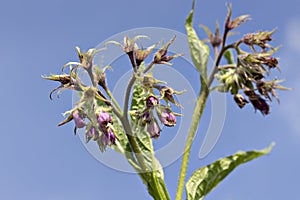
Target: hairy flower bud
(86, 59)
(102, 80)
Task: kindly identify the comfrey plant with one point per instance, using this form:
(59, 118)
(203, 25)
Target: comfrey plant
(150, 102)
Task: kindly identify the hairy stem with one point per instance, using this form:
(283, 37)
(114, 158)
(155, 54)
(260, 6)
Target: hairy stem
(198, 111)
(116, 104)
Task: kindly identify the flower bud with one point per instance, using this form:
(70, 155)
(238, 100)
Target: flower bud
(258, 102)
(240, 100)
(269, 87)
(92, 134)
(128, 44)
(271, 62)
(151, 101)
(141, 54)
(231, 24)
(108, 138)
(78, 119)
(153, 129)
(167, 117)
(103, 119)
(214, 39)
(102, 80)
(86, 59)
(62, 78)
(260, 39)
(146, 118)
(67, 82)
(161, 55)
(167, 94)
(237, 22)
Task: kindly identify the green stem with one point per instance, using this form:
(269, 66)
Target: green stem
(113, 100)
(91, 75)
(159, 190)
(148, 67)
(198, 111)
(127, 95)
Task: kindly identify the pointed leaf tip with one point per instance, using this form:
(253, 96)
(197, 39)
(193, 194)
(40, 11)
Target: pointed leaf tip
(205, 179)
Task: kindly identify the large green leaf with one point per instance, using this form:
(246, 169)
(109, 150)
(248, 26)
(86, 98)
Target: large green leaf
(207, 178)
(198, 49)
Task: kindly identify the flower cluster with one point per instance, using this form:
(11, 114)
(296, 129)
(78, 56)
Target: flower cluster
(147, 117)
(150, 105)
(96, 107)
(92, 111)
(252, 67)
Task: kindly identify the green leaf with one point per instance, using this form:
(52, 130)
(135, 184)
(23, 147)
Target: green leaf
(153, 175)
(154, 171)
(199, 50)
(207, 178)
(229, 56)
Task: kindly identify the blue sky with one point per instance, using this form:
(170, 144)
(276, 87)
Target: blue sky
(41, 161)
